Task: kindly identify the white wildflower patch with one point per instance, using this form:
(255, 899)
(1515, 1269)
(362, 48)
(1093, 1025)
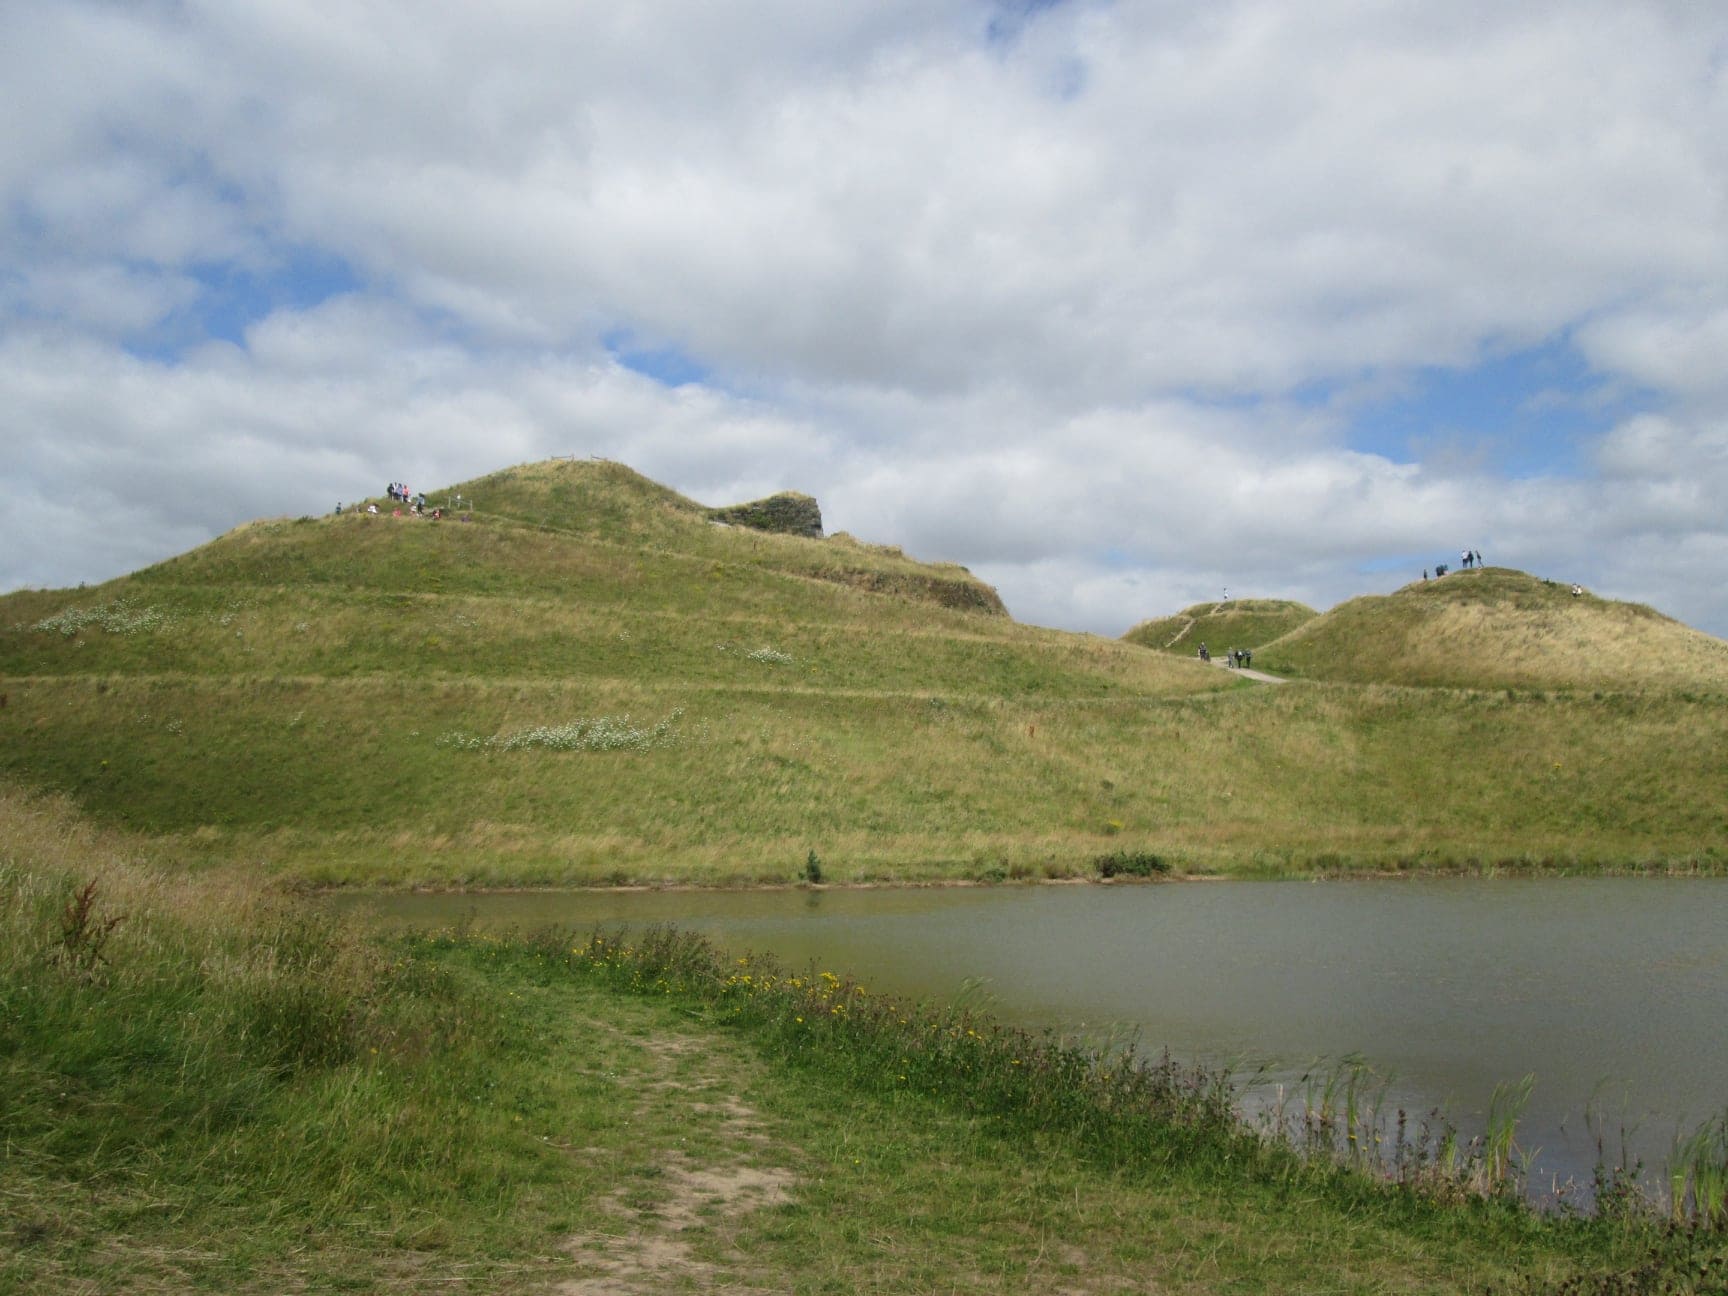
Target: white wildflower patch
(121, 617)
(598, 734)
(770, 655)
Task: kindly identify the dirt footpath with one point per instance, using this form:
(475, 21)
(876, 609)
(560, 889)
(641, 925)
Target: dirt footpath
(1246, 673)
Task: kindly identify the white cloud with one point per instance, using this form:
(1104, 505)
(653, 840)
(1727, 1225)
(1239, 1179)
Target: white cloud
(1675, 346)
(1053, 299)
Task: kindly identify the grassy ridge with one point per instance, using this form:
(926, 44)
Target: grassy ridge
(356, 699)
(206, 1089)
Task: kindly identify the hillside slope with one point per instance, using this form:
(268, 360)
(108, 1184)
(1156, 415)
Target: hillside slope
(1234, 623)
(1496, 627)
(591, 681)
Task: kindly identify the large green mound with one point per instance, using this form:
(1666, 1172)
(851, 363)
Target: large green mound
(575, 674)
(591, 680)
(1233, 623)
(1497, 627)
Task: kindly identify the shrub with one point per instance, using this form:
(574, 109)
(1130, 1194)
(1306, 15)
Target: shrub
(1130, 864)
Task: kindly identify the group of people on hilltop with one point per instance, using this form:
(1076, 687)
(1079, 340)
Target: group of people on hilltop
(1467, 559)
(415, 504)
(1242, 657)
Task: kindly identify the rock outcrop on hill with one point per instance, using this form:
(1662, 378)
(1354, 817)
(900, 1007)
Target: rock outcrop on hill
(788, 513)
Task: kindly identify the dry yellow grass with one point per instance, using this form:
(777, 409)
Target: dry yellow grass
(1496, 627)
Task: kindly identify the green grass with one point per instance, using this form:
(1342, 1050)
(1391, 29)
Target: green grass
(329, 699)
(205, 1087)
(371, 780)
(227, 1093)
(1494, 628)
(1235, 623)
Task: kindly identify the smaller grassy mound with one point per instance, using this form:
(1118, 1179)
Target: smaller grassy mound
(1497, 627)
(1234, 623)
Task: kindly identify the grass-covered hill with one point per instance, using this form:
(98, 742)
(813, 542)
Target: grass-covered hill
(591, 680)
(1496, 627)
(1233, 623)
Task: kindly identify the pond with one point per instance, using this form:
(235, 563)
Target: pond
(1610, 991)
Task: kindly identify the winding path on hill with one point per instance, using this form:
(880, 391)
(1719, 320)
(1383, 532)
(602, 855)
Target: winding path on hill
(1247, 673)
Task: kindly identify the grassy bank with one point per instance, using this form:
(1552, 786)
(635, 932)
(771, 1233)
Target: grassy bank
(205, 1088)
(386, 780)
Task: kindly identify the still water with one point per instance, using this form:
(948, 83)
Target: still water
(1610, 991)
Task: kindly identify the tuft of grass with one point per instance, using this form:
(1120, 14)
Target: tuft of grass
(1698, 1176)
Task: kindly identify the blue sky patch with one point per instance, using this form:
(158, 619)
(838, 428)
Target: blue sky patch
(235, 299)
(1528, 413)
(666, 365)
(231, 298)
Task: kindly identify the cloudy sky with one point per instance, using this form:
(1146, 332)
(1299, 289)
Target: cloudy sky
(1119, 304)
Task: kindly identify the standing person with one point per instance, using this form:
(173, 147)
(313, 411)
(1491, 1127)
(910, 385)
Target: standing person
(1424, 573)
